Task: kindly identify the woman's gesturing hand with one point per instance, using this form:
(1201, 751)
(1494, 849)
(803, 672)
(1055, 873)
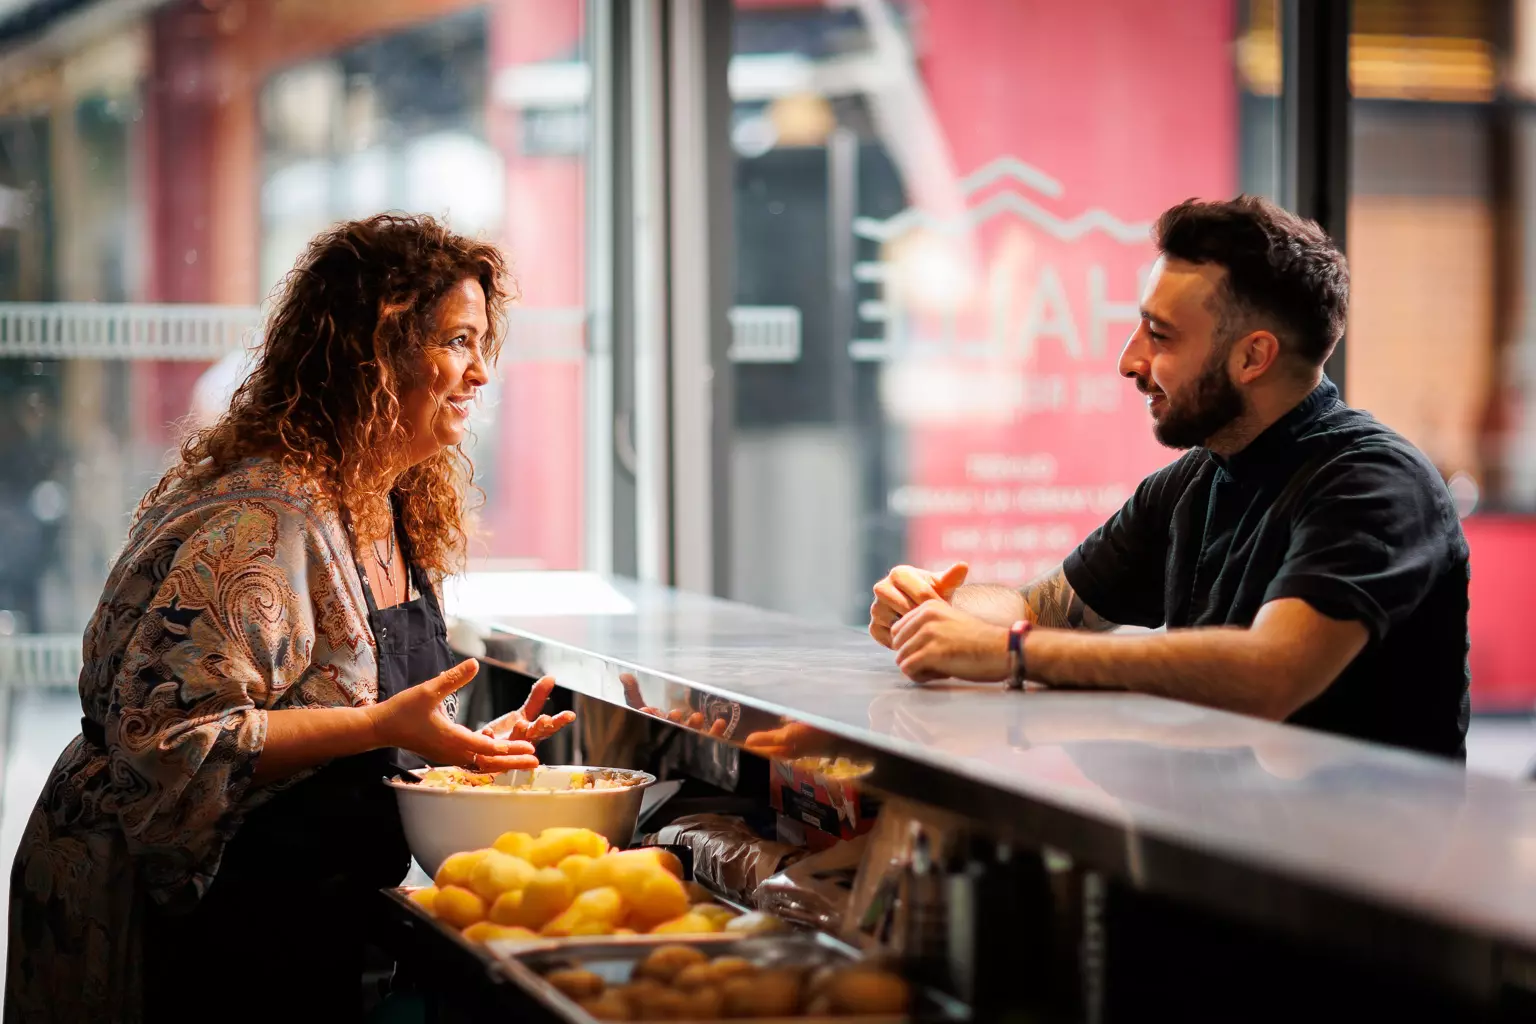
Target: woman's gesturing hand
(526, 723)
(414, 720)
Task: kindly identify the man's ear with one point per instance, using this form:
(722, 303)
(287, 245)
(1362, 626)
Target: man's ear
(1254, 355)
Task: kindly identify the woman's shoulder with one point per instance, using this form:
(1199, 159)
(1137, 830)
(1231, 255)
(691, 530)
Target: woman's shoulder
(256, 489)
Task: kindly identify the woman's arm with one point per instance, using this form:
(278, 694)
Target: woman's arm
(300, 738)
(231, 623)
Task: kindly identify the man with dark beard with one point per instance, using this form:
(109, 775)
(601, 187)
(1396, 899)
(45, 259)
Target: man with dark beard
(1306, 561)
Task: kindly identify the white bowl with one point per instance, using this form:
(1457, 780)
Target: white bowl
(440, 822)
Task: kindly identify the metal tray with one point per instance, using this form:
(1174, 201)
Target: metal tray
(508, 974)
(490, 954)
(614, 960)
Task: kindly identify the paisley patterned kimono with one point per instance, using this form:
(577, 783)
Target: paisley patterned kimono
(231, 599)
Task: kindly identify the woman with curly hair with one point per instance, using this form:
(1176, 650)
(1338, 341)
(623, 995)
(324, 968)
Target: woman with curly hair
(268, 646)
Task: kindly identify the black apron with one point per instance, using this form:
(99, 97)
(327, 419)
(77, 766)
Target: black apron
(282, 930)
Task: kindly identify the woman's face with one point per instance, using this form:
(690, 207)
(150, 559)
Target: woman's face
(435, 408)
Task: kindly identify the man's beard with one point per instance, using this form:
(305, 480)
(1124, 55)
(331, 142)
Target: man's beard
(1212, 403)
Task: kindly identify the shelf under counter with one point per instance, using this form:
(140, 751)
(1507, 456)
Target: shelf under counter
(1381, 852)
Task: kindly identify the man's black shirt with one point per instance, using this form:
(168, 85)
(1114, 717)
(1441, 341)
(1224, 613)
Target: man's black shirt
(1327, 505)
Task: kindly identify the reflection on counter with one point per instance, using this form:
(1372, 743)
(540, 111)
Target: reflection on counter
(1308, 831)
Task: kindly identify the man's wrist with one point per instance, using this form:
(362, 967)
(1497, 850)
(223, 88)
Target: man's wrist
(1017, 668)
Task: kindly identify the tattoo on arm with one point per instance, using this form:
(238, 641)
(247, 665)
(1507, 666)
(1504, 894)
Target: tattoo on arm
(1050, 601)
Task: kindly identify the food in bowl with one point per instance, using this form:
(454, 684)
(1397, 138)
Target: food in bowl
(452, 778)
(565, 882)
(445, 811)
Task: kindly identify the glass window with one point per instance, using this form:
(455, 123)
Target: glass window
(157, 182)
(1440, 339)
(483, 120)
(942, 222)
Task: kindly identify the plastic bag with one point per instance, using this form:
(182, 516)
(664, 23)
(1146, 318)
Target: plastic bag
(728, 856)
(815, 891)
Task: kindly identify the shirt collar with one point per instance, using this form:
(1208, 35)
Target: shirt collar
(1268, 447)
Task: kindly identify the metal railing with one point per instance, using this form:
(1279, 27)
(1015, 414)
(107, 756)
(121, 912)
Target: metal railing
(765, 334)
(102, 330)
(203, 333)
(39, 660)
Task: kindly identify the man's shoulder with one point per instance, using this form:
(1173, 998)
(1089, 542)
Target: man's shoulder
(1359, 456)
(1347, 439)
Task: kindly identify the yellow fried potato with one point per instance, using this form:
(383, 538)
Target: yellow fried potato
(485, 931)
(597, 873)
(715, 912)
(505, 911)
(458, 868)
(575, 865)
(598, 906)
(458, 907)
(547, 894)
(687, 924)
(653, 898)
(629, 874)
(753, 922)
(555, 844)
(563, 926)
(519, 934)
(515, 844)
(424, 897)
(664, 859)
(498, 873)
(581, 840)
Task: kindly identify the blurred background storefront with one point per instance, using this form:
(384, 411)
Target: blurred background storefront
(808, 288)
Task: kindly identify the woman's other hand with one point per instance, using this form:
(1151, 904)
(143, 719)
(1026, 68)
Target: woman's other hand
(526, 723)
(414, 720)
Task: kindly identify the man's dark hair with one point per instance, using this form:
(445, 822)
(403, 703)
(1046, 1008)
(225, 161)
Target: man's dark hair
(1284, 273)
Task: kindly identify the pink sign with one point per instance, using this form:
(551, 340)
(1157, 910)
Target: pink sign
(1000, 310)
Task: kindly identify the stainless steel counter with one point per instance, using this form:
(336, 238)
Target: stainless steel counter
(1403, 856)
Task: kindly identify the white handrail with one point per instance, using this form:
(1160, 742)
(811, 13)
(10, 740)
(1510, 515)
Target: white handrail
(103, 330)
(765, 334)
(36, 660)
(206, 333)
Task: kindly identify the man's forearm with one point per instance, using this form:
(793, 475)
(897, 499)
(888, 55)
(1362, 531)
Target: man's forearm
(1220, 667)
(1052, 602)
(991, 602)
(1048, 600)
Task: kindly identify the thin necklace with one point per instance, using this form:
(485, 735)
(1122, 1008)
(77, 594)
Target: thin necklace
(387, 563)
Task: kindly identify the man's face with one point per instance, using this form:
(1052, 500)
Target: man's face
(1178, 358)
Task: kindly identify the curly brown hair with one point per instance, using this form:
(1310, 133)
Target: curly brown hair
(347, 336)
